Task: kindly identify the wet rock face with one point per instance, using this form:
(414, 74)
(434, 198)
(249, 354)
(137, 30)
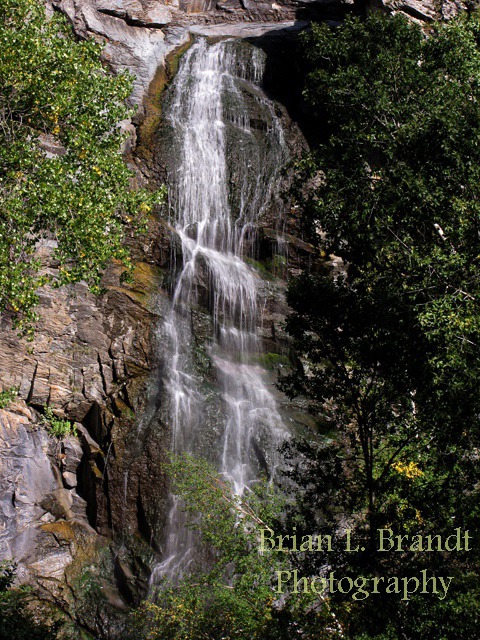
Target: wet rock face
(86, 348)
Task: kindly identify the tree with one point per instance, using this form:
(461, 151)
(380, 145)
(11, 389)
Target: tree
(389, 347)
(399, 202)
(16, 620)
(232, 596)
(62, 176)
(362, 379)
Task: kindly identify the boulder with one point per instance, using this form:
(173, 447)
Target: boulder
(125, 27)
(423, 11)
(148, 13)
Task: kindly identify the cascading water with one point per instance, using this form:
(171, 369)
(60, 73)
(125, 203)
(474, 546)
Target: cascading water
(227, 165)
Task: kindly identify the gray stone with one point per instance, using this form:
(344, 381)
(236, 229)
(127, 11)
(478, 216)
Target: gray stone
(130, 141)
(73, 454)
(32, 499)
(88, 442)
(246, 30)
(139, 49)
(147, 13)
(58, 503)
(69, 479)
(424, 11)
(26, 478)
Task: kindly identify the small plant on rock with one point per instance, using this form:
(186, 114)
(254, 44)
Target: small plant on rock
(55, 426)
(7, 396)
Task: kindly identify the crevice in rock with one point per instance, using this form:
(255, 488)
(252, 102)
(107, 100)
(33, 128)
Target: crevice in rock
(132, 22)
(84, 390)
(92, 473)
(86, 488)
(114, 368)
(126, 398)
(102, 374)
(93, 423)
(32, 385)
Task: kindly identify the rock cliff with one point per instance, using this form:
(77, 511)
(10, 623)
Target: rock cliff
(139, 34)
(91, 361)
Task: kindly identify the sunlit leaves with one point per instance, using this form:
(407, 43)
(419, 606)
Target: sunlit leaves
(62, 178)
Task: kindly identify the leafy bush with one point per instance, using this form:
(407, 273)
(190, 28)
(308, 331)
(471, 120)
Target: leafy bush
(56, 426)
(62, 177)
(392, 340)
(234, 597)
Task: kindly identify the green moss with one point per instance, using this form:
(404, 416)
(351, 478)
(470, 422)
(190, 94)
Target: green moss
(273, 360)
(173, 60)
(269, 269)
(261, 267)
(164, 75)
(277, 264)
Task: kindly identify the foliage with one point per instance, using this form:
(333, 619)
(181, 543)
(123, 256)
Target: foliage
(16, 620)
(63, 182)
(388, 346)
(7, 396)
(56, 426)
(233, 595)
(352, 377)
(399, 202)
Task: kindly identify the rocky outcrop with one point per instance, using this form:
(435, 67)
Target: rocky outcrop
(43, 524)
(425, 11)
(149, 13)
(33, 495)
(137, 47)
(139, 34)
(86, 348)
(63, 502)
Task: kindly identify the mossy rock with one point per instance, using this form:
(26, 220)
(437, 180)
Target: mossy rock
(273, 360)
(146, 277)
(61, 529)
(261, 267)
(164, 75)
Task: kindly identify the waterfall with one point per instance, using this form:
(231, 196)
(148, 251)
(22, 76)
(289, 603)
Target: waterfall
(226, 169)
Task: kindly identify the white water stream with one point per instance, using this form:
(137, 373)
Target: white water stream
(215, 222)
